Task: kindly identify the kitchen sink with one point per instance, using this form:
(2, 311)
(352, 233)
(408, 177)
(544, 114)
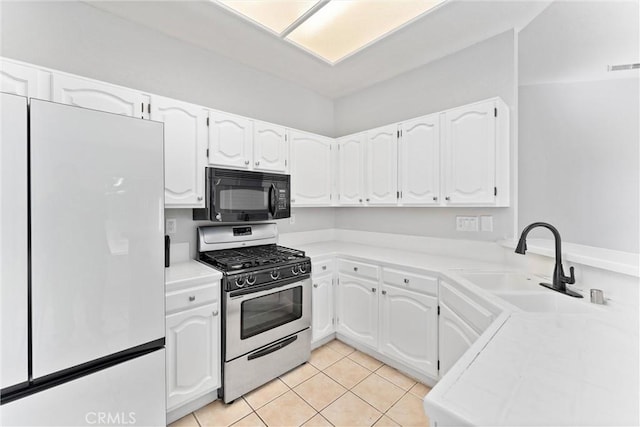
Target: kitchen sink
(504, 281)
(547, 302)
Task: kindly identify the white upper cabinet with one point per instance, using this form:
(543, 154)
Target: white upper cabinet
(470, 154)
(419, 161)
(230, 140)
(382, 166)
(25, 81)
(351, 157)
(311, 169)
(185, 144)
(99, 96)
(269, 147)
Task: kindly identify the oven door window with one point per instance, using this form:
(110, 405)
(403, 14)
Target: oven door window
(270, 311)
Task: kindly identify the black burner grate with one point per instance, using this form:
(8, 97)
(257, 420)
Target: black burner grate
(254, 256)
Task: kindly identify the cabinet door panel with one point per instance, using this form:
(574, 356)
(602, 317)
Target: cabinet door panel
(351, 170)
(322, 307)
(24, 81)
(382, 166)
(193, 354)
(230, 140)
(184, 150)
(470, 154)
(358, 309)
(455, 338)
(98, 96)
(269, 147)
(419, 161)
(311, 170)
(409, 330)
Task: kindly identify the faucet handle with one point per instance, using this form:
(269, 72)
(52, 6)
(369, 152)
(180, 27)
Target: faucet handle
(572, 278)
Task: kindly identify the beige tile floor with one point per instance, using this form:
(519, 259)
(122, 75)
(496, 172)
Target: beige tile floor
(339, 386)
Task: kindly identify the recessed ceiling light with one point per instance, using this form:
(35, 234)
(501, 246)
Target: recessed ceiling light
(343, 27)
(275, 15)
(331, 29)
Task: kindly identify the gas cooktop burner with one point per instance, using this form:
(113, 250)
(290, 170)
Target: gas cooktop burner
(241, 258)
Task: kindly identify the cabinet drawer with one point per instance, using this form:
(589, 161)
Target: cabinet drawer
(321, 267)
(478, 317)
(191, 297)
(415, 282)
(358, 269)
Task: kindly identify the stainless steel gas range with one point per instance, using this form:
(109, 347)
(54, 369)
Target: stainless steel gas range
(266, 304)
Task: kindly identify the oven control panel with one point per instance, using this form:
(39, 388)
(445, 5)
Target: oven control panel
(265, 275)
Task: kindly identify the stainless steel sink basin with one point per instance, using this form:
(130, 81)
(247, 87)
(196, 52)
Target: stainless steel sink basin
(547, 302)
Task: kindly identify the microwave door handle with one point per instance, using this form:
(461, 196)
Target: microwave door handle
(272, 200)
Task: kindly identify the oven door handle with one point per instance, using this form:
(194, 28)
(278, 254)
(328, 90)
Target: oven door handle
(272, 348)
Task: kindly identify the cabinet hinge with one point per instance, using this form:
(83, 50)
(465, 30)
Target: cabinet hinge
(338, 321)
(142, 107)
(438, 365)
(495, 191)
(207, 121)
(397, 194)
(338, 148)
(286, 137)
(333, 321)
(207, 153)
(495, 112)
(330, 196)
(149, 108)
(285, 162)
(398, 133)
(438, 310)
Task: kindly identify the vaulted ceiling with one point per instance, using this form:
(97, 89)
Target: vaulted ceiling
(454, 25)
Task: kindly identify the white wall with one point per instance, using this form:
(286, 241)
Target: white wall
(579, 125)
(80, 39)
(481, 71)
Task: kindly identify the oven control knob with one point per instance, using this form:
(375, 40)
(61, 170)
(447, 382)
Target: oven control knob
(295, 270)
(275, 274)
(239, 281)
(302, 268)
(251, 279)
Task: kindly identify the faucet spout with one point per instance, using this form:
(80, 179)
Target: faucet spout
(560, 281)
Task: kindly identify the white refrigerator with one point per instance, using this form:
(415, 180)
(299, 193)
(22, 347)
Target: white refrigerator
(81, 266)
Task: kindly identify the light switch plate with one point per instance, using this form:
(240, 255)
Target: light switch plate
(466, 223)
(486, 223)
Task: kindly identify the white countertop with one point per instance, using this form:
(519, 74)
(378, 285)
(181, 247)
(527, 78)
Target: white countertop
(528, 368)
(189, 273)
(546, 369)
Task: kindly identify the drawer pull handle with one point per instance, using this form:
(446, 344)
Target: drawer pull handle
(355, 269)
(324, 267)
(315, 285)
(192, 298)
(215, 313)
(373, 289)
(384, 292)
(406, 281)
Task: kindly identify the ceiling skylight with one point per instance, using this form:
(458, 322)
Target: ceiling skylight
(331, 29)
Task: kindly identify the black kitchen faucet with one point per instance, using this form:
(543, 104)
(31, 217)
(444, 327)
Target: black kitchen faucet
(560, 281)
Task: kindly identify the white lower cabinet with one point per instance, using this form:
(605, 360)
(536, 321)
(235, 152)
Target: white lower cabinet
(409, 328)
(357, 315)
(322, 318)
(463, 318)
(193, 354)
(455, 337)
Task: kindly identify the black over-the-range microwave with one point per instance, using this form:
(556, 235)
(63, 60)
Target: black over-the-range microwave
(236, 196)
